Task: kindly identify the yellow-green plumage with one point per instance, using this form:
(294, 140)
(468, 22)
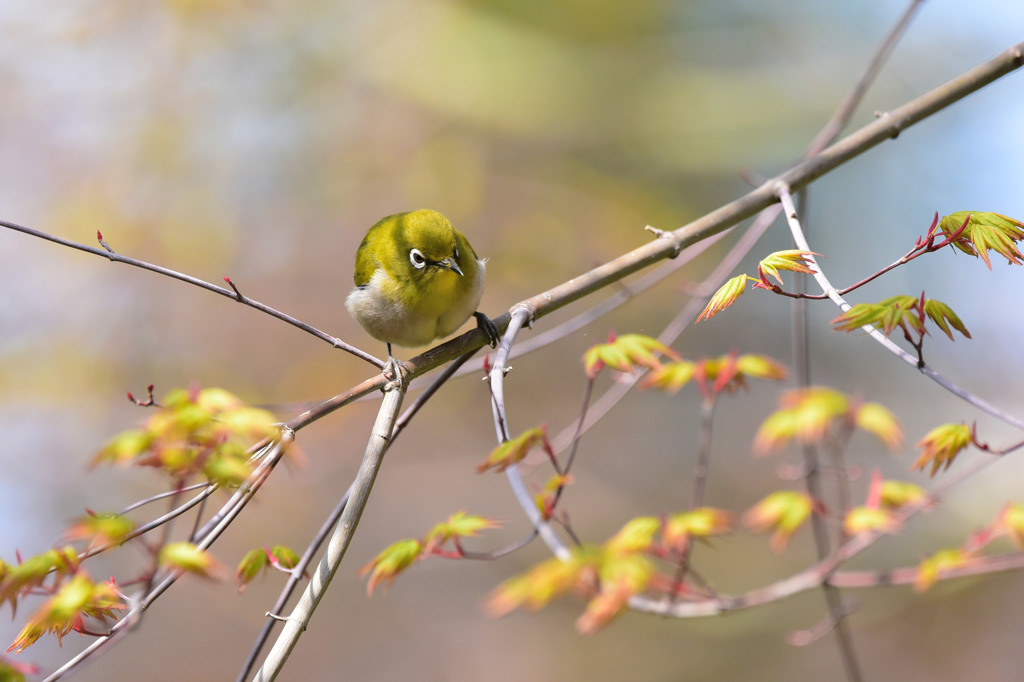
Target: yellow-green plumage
(417, 279)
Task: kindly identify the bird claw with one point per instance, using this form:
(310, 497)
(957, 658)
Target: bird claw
(488, 327)
(394, 370)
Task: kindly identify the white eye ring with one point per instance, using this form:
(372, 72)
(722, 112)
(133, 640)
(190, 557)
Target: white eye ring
(418, 260)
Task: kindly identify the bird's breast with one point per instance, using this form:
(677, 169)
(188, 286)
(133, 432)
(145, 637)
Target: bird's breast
(415, 313)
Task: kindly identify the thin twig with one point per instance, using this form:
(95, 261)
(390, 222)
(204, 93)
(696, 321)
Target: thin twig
(496, 380)
(703, 466)
(139, 604)
(435, 385)
(837, 611)
(886, 127)
(812, 577)
(853, 98)
(231, 293)
(296, 576)
(595, 312)
(674, 329)
(380, 440)
(833, 294)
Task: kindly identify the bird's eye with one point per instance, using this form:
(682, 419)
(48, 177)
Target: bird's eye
(456, 254)
(417, 259)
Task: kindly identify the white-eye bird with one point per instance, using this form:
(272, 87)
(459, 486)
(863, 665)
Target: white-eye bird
(417, 279)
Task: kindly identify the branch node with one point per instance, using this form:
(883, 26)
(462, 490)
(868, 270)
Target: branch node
(147, 402)
(524, 305)
(106, 246)
(238, 294)
(664, 234)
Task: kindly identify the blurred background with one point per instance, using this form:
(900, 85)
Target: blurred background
(260, 140)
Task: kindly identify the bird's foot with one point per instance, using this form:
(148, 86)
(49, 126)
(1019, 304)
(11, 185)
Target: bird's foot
(488, 327)
(394, 371)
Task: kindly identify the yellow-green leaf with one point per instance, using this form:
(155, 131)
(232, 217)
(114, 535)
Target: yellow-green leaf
(942, 315)
(101, 529)
(896, 494)
(386, 566)
(870, 520)
(932, 568)
(793, 260)
(724, 297)
(941, 446)
(514, 450)
(877, 419)
(986, 232)
(185, 556)
(703, 522)
(625, 353)
(636, 536)
(671, 376)
(254, 561)
(783, 512)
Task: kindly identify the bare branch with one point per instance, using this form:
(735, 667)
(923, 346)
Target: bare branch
(380, 440)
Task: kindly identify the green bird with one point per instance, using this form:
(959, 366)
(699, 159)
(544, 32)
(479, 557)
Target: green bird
(417, 279)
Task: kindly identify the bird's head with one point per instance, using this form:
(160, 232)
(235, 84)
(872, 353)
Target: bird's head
(425, 245)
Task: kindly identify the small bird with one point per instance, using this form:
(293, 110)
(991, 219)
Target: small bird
(417, 279)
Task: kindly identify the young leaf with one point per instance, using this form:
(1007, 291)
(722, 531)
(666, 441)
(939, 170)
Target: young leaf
(545, 581)
(548, 495)
(625, 353)
(760, 367)
(621, 577)
(700, 523)
(386, 566)
(460, 524)
(875, 418)
(932, 568)
(792, 260)
(101, 529)
(76, 599)
(670, 377)
(251, 565)
(806, 415)
(887, 315)
(636, 536)
(195, 431)
(283, 557)
(776, 431)
(986, 232)
(30, 573)
(942, 315)
(897, 494)
(724, 297)
(941, 446)
(187, 557)
(870, 520)
(124, 448)
(513, 451)
(228, 465)
(783, 512)
(1011, 521)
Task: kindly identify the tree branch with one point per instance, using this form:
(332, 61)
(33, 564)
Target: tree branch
(380, 440)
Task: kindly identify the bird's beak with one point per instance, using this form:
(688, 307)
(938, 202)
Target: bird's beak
(451, 265)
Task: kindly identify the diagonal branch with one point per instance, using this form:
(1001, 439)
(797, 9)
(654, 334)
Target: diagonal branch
(668, 245)
(232, 293)
(834, 295)
(380, 440)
